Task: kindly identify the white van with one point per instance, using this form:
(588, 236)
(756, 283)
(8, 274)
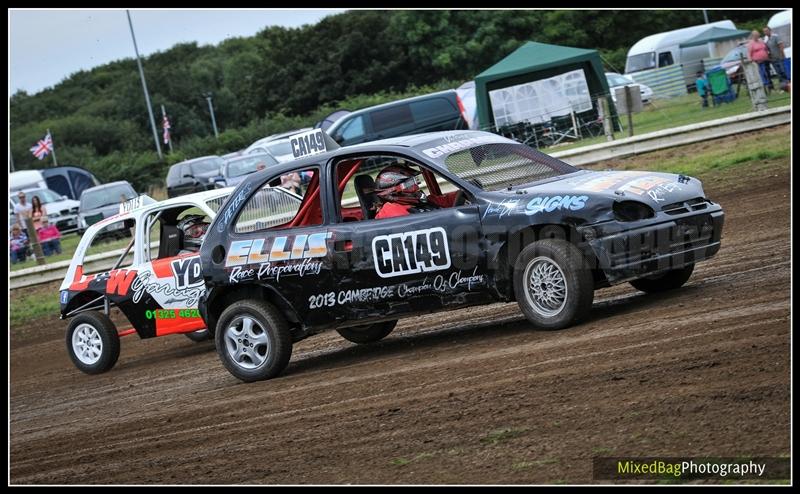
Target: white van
(663, 49)
(26, 179)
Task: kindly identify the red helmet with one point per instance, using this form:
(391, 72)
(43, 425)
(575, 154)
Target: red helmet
(398, 183)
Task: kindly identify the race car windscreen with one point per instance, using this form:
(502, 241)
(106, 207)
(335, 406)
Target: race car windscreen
(500, 165)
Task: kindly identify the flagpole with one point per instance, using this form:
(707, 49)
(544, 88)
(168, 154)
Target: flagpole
(144, 87)
(55, 161)
(164, 115)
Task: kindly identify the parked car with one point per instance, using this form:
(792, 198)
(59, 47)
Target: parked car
(618, 80)
(330, 119)
(732, 63)
(499, 222)
(277, 145)
(61, 211)
(194, 175)
(69, 181)
(103, 201)
(236, 169)
(428, 113)
(155, 286)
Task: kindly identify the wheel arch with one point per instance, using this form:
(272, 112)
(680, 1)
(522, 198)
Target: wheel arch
(222, 297)
(517, 240)
(80, 299)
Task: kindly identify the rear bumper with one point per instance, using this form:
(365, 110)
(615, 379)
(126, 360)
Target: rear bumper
(658, 246)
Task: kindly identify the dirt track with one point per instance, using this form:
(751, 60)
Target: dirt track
(472, 396)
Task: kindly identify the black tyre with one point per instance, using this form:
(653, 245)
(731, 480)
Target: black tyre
(92, 342)
(368, 333)
(253, 340)
(668, 280)
(553, 284)
(198, 336)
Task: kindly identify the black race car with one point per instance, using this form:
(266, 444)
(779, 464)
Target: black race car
(493, 221)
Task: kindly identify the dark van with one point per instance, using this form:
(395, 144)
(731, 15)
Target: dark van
(428, 113)
(69, 181)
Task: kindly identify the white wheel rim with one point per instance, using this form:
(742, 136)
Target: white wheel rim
(87, 344)
(545, 287)
(247, 343)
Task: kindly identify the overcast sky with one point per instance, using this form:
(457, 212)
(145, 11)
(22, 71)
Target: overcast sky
(46, 46)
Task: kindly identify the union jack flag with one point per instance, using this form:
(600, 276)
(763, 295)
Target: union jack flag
(166, 129)
(43, 147)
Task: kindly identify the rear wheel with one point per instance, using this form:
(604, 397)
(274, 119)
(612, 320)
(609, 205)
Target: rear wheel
(368, 333)
(552, 283)
(253, 340)
(668, 280)
(198, 336)
(93, 342)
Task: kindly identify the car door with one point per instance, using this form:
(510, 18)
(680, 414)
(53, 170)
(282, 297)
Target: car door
(281, 241)
(409, 264)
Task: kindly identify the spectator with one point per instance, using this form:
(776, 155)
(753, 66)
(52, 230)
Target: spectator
(758, 52)
(22, 210)
(702, 88)
(38, 211)
(291, 182)
(17, 244)
(49, 238)
(776, 55)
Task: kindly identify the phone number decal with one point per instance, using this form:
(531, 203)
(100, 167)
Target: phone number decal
(171, 313)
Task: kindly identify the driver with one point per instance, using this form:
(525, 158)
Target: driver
(194, 228)
(398, 193)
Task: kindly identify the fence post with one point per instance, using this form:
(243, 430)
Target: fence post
(34, 239)
(755, 86)
(605, 116)
(629, 110)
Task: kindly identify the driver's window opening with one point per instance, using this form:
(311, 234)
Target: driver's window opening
(289, 201)
(175, 231)
(380, 187)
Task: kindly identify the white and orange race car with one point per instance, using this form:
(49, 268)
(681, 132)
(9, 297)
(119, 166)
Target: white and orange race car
(156, 281)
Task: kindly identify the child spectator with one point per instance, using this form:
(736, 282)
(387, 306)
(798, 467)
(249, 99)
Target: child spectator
(49, 238)
(17, 244)
(702, 88)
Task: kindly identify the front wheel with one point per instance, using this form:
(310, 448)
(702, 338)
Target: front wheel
(93, 342)
(668, 280)
(253, 340)
(368, 333)
(553, 284)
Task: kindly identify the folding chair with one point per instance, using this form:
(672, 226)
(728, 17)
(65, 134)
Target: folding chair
(720, 86)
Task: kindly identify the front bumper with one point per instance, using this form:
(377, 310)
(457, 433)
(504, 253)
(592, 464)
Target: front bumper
(67, 224)
(655, 246)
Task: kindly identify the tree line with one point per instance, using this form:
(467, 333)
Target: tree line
(285, 78)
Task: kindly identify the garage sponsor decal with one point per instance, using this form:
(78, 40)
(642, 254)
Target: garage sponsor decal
(308, 143)
(277, 256)
(120, 281)
(187, 272)
(412, 252)
(552, 203)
